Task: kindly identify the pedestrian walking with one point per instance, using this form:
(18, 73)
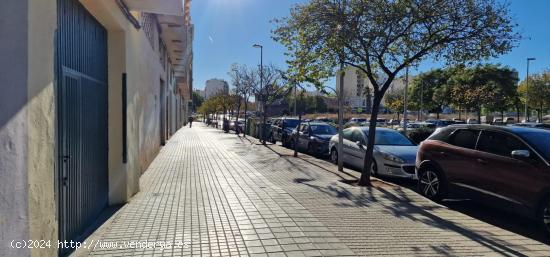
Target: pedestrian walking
(190, 121)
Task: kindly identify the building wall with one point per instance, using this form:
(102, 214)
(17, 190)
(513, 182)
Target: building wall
(354, 87)
(41, 120)
(28, 203)
(27, 125)
(214, 87)
(13, 126)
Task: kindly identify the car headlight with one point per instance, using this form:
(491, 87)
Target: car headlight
(393, 158)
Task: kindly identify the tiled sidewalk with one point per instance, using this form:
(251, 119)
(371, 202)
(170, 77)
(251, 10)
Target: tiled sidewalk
(209, 202)
(214, 194)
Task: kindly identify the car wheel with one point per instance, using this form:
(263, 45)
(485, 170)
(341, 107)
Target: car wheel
(544, 215)
(431, 183)
(334, 156)
(373, 169)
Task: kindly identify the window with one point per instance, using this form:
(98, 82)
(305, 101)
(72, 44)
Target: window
(499, 143)
(465, 138)
(347, 134)
(305, 128)
(441, 134)
(357, 136)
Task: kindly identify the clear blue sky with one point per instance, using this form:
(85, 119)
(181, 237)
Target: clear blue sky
(225, 31)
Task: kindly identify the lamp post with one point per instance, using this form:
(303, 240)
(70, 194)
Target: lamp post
(527, 90)
(261, 89)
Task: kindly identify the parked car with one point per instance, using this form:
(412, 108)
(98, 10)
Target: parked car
(533, 125)
(324, 119)
(394, 154)
(393, 122)
(440, 123)
(281, 128)
(472, 121)
(313, 137)
(356, 121)
(234, 124)
(505, 166)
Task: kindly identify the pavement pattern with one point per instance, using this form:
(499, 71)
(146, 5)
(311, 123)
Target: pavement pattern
(214, 194)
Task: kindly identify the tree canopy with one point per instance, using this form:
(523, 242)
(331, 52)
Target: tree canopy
(383, 37)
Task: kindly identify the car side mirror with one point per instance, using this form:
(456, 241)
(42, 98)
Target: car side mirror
(521, 154)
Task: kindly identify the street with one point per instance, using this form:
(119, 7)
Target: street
(217, 194)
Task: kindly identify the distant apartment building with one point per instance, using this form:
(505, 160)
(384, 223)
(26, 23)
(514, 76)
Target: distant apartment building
(215, 87)
(358, 90)
(91, 91)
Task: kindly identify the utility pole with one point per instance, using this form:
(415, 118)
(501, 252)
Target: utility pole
(262, 102)
(527, 90)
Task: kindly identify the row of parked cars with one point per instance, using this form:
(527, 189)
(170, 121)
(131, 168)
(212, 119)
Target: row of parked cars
(504, 166)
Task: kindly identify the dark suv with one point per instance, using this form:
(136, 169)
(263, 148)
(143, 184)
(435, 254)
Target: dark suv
(281, 128)
(504, 166)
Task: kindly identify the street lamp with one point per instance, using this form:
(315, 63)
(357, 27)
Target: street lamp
(261, 88)
(527, 89)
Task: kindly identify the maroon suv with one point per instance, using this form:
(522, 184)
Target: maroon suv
(502, 166)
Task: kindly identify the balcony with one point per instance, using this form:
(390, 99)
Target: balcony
(166, 7)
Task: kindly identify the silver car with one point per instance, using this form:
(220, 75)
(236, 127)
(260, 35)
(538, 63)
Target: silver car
(394, 154)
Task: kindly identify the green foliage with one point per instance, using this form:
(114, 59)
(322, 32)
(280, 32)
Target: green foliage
(197, 99)
(538, 92)
(490, 86)
(394, 100)
(381, 37)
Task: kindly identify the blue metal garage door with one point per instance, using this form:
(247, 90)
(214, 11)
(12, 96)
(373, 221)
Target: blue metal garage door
(81, 74)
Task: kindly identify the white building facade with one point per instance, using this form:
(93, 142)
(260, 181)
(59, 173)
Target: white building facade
(215, 87)
(358, 91)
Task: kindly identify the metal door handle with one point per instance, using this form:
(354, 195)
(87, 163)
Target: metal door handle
(64, 181)
(66, 158)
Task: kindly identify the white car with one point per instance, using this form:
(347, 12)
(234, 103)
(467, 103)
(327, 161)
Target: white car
(394, 154)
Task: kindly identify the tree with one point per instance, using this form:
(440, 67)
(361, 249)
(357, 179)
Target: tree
(538, 93)
(429, 90)
(197, 100)
(238, 74)
(394, 101)
(490, 86)
(383, 37)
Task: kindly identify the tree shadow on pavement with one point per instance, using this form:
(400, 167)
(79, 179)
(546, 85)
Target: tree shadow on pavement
(397, 203)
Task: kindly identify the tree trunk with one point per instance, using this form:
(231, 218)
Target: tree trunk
(297, 136)
(238, 116)
(262, 132)
(341, 120)
(367, 162)
(478, 115)
(437, 114)
(245, 115)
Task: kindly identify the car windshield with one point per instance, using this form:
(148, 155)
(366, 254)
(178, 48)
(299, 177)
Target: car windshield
(323, 129)
(385, 137)
(540, 140)
(292, 123)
